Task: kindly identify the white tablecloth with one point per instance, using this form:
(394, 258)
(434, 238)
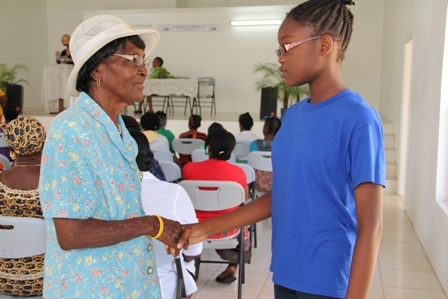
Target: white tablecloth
(54, 86)
(188, 87)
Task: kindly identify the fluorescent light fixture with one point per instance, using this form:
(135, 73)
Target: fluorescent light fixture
(256, 23)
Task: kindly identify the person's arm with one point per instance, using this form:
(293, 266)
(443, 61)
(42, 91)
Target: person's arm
(369, 217)
(255, 211)
(88, 233)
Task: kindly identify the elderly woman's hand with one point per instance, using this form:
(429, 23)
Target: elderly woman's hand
(172, 231)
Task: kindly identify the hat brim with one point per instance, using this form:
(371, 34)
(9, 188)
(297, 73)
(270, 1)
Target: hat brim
(150, 37)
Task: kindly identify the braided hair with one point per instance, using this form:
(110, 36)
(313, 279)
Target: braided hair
(327, 17)
(272, 124)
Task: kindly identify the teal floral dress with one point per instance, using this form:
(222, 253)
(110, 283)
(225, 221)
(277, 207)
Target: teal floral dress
(89, 171)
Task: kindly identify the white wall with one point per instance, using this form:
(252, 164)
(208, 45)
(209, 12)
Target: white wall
(23, 39)
(425, 21)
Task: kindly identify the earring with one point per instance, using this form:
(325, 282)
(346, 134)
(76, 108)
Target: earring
(98, 82)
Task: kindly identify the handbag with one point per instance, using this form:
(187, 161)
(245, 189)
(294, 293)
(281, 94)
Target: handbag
(180, 288)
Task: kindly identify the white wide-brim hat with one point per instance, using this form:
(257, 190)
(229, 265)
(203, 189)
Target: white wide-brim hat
(96, 32)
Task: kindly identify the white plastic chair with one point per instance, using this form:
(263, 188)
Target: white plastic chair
(260, 161)
(171, 170)
(27, 238)
(206, 90)
(199, 155)
(186, 145)
(217, 196)
(250, 178)
(5, 161)
(242, 149)
(162, 155)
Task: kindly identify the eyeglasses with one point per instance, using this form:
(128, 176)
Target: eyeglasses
(136, 59)
(282, 50)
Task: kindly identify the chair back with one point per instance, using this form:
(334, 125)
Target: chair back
(186, 145)
(5, 161)
(242, 148)
(162, 155)
(199, 155)
(171, 170)
(214, 195)
(21, 237)
(260, 161)
(248, 170)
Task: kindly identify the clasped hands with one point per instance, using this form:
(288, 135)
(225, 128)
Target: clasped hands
(175, 236)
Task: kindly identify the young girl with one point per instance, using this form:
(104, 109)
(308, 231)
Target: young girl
(328, 164)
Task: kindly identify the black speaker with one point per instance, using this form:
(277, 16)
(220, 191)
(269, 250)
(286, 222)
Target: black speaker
(268, 105)
(14, 92)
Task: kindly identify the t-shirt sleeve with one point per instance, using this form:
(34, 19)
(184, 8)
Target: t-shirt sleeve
(253, 146)
(67, 177)
(367, 163)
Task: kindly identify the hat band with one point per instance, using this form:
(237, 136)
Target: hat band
(109, 32)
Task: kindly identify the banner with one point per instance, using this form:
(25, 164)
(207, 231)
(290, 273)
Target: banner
(189, 28)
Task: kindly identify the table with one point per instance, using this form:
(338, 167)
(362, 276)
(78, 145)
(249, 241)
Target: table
(166, 87)
(54, 86)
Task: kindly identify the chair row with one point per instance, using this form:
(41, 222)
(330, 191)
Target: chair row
(187, 146)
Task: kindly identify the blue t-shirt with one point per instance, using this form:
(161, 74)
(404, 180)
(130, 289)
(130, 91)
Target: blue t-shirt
(322, 152)
(89, 171)
(268, 145)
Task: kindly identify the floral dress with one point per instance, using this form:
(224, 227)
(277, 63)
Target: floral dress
(89, 171)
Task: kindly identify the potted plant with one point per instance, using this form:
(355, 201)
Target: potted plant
(272, 78)
(9, 83)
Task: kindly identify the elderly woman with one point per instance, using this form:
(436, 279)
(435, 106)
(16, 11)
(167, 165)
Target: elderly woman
(19, 197)
(98, 234)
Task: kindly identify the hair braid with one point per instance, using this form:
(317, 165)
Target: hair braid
(330, 17)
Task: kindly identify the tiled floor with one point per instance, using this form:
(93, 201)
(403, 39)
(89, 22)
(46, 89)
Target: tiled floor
(403, 270)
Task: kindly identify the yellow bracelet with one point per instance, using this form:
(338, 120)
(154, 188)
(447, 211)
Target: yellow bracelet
(161, 227)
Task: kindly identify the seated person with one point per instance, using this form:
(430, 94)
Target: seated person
(263, 179)
(220, 145)
(25, 135)
(172, 202)
(162, 131)
(246, 123)
(211, 128)
(194, 122)
(157, 72)
(270, 128)
(133, 127)
(10, 114)
(150, 124)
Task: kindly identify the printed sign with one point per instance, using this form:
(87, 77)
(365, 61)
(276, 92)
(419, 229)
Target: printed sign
(189, 27)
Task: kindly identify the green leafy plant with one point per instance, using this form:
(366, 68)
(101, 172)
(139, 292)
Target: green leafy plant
(272, 78)
(9, 75)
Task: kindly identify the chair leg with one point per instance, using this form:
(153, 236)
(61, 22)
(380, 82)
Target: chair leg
(241, 277)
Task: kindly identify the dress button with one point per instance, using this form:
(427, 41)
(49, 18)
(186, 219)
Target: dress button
(150, 270)
(149, 247)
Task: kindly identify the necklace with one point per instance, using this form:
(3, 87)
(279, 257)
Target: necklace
(119, 129)
(26, 165)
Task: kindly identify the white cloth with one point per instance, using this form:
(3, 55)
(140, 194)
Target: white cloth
(245, 135)
(54, 85)
(165, 87)
(171, 201)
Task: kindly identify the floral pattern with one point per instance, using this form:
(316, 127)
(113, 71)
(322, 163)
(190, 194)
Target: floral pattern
(89, 171)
